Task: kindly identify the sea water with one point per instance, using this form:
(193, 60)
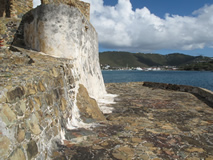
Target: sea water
(202, 79)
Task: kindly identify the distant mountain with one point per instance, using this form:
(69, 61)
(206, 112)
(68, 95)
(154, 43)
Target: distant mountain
(123, 59)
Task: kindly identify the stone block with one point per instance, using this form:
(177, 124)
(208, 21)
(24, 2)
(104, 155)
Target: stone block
(63, 105)
(37, 103)
(32, 123)
(32, 149)
(18, 154)
(22, 106)
(41, 87)
(31, 90)
(20, 135)
(7, 115)
(49, 99)
(4, 145)
(55, 73)
(88, 107)
(18, 92)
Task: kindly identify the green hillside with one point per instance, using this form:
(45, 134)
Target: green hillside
(123, 59)
(200, 66)
(120, 59)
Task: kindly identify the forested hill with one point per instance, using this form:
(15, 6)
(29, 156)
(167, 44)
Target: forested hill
(123, 59)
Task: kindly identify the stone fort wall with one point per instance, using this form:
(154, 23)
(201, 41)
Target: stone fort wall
(82, 6)
(11, 12)
(16, 8)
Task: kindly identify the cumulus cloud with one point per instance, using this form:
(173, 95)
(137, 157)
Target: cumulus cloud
(120, 27)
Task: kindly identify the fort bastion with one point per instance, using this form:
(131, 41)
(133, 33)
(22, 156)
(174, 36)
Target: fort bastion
(16, 8)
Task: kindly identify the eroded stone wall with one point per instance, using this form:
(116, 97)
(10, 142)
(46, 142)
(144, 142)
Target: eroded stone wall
(197, 91)
(11, 12)
(42, 97)
(8, 29)
(33, 102)
(15, 8)
(69, 37)
(82, 6)
(37, 96)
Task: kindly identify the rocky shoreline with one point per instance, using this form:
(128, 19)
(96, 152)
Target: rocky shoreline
(147, 123)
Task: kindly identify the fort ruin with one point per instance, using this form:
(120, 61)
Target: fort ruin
(16, 8)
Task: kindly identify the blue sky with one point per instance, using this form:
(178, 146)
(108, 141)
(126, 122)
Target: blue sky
(161, 7)
(154, 26)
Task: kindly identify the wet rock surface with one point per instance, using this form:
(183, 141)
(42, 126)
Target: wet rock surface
(146, 124)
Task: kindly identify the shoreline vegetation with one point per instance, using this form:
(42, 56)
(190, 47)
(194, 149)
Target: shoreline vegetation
(154, 62)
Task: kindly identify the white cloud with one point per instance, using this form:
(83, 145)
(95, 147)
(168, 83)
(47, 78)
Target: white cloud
(121, 27)
(36, 3)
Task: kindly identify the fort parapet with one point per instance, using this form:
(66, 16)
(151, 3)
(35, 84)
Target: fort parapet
(12, 10)
(82, 6)
(16, 8)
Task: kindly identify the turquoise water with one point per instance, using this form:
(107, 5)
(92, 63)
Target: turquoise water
(202, 79)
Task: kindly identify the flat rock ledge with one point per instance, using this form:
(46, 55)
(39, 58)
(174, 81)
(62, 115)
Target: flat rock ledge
(147, 123)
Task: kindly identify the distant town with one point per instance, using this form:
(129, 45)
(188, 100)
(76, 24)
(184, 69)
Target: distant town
(154, 62)
(161, 68)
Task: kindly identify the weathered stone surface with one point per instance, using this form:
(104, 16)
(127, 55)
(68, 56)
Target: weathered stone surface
(4, 145)
(32, 123)
(22, 106)
(123, 153)
(20, 135)
(32, 149)
(18, 154)
(8, 29)
(88, 107)
(63, 104)
(41, 87)
(18, 92)
(37, 91)
(77, 42)
(45, 104)
(7, 115)
(200, 150)
(49, 99)
(150, 124)
(15, 8)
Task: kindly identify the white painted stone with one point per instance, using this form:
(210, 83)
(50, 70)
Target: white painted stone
(62, 31)
(105, 101)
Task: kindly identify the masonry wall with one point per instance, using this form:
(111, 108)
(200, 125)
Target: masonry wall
(44, 95)
(8, 29)
(62, 31)
(38, 94)
(34, 104)
(15, 8)
(201, 92)
(82, 6)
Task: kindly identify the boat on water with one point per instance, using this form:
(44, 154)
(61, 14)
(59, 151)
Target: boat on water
(139, 69)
